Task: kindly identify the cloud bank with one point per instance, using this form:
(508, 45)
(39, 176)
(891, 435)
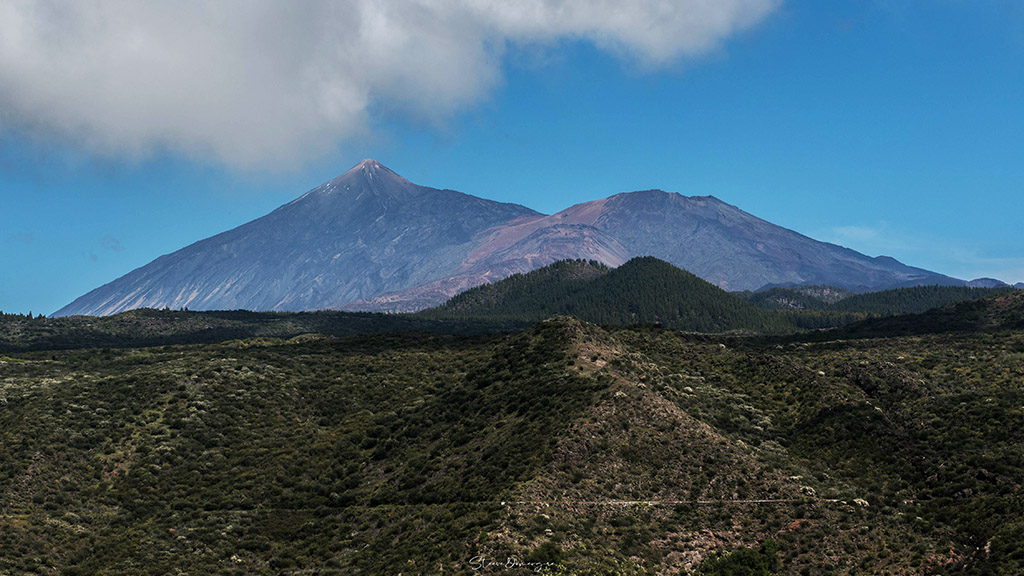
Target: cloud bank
(264, 83)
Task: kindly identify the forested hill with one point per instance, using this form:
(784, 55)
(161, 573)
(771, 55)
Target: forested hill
(526, 291)
(910, 300)
(1000, 312)
(643, 290)
(914, 300)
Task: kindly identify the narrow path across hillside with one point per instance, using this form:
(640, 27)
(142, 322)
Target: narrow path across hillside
(669, 502)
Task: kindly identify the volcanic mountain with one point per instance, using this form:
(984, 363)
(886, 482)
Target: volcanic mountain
(366, 232)
(372, 240)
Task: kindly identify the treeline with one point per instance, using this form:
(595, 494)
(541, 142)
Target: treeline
(913, 300)
(644, 290)
(837, 304)
(12, 317)
(1003, 311)
(908, 302)
(151, 327)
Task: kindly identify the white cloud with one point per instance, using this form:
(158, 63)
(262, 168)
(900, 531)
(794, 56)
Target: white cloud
(266, 83)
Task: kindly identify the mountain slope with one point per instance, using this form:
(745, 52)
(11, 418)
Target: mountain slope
(372, 240)
(729, 247)
(714, 240)
(366, 232)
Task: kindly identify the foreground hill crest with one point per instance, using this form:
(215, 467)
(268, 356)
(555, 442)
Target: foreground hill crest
(372, 240)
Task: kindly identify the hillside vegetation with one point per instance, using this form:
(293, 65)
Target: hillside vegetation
(564, 449)
(648, 290)
(640, 291)
(1005, 311)
(816, 297)
(148, 327)
(912, 300)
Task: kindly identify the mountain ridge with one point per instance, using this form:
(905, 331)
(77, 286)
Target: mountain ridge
(371, 240)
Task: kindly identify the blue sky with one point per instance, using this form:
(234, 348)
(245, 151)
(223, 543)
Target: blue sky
(891, 127)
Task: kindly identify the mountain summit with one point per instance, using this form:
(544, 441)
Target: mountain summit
(364, 233)
(372, 177)
(372, 240)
